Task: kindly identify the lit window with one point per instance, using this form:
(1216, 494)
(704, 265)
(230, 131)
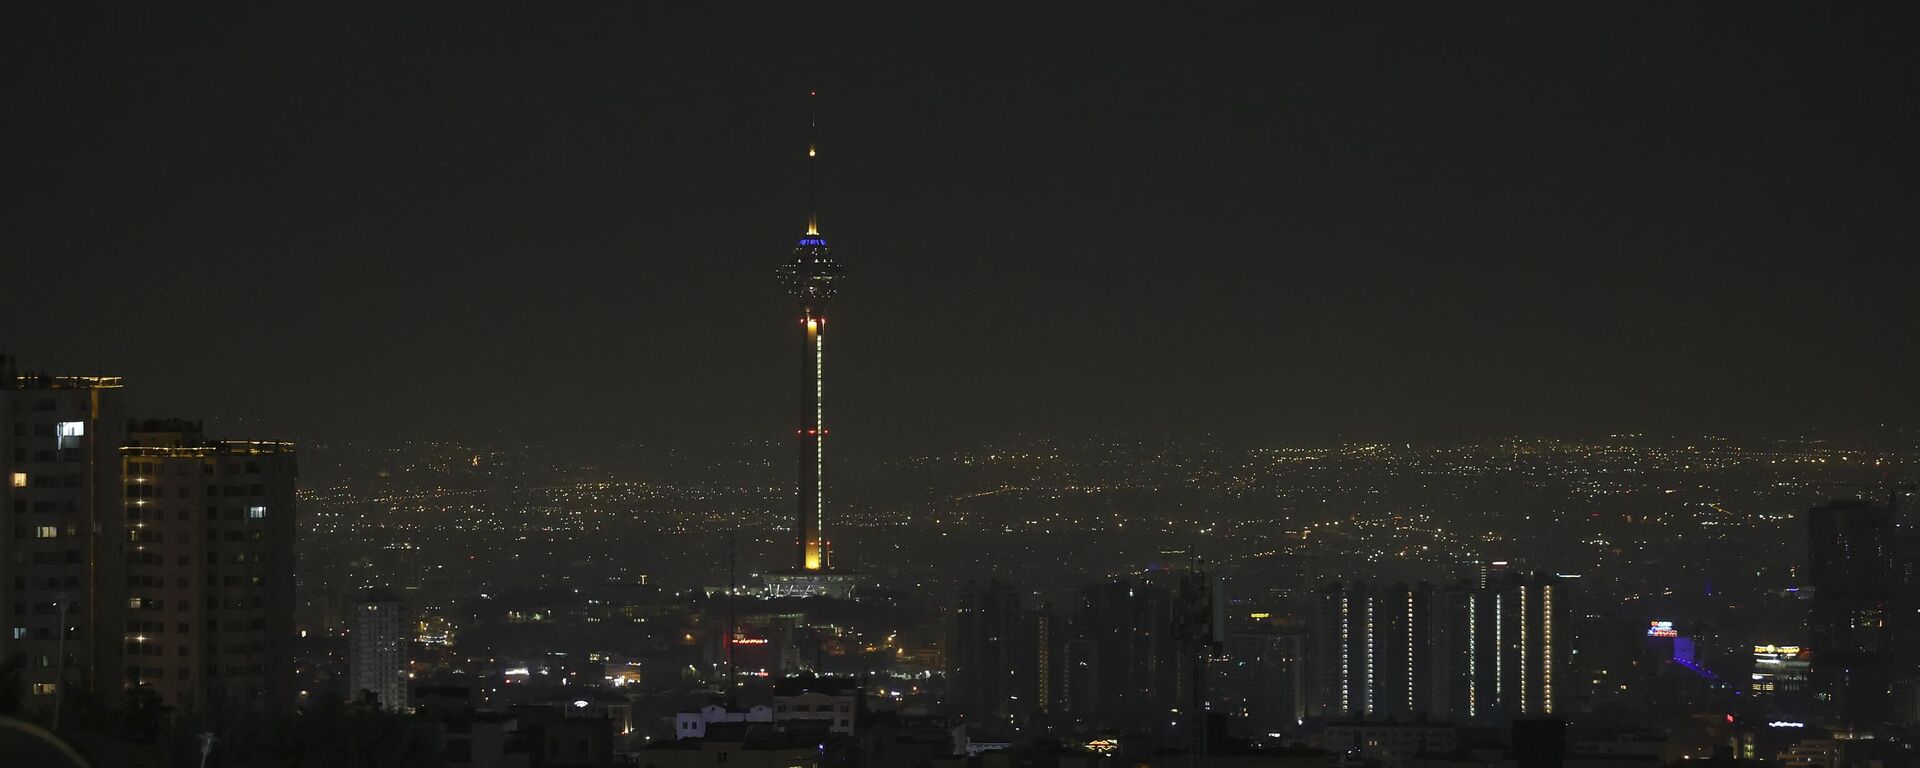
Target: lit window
(19, 479)
(47, 532)
(43, 689)
(70, 432)
(19, 633)
(256, 512)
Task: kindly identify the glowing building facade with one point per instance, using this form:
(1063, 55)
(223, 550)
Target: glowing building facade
(377, 658)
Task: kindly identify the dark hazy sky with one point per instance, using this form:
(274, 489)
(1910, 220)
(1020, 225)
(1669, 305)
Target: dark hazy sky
(1280, 220)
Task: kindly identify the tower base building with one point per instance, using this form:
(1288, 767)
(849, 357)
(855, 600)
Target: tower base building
(804, 583)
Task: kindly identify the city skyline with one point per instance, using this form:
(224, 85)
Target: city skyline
(1318, 224)
(1260, 385)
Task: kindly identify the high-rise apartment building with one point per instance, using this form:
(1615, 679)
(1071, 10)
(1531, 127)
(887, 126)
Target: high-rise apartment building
(1039, 665)
(1003, 659)
(1259, 681)
(377, 652)
(984, 653)
(208, 556)
(1904, 688)
(1125, 664)
(167, 558)
(1373, 651)
(1467, 653)
(60, 494)
(1498, 649)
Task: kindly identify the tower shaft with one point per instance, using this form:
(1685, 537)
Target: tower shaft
(810, 526)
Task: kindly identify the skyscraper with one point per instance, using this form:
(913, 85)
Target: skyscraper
(377, 656)
(812, 278)
(983, 654)
(1853, 562)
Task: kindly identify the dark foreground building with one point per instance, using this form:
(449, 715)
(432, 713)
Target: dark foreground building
(166, 557)
(1863, 590)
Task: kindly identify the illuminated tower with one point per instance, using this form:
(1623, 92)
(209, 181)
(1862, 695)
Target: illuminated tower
(812, 278)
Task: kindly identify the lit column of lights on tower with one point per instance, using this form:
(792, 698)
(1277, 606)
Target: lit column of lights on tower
(812, 278)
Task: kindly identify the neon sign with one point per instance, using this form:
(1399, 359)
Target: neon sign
(1661, 629)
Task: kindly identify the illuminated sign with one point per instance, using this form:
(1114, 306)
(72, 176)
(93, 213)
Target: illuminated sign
(737, 640)
(1784, 650)
(1103, 746)
(1661, 629)
(1786, 724)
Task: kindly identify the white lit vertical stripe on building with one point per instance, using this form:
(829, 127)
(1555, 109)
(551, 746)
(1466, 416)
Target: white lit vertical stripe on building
(1500, 649)
(1523, 649)
(1546, 649)
(1410, 630)
(1369, 694)
(1473, 655)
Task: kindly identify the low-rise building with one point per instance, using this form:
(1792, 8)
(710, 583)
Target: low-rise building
(1390, 744)
(816, 704)
(693, 725)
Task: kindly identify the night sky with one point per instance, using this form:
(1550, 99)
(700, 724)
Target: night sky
(1422, 221)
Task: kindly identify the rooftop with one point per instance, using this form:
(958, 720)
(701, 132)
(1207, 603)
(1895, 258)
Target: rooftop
(42, 381)
(211, 448)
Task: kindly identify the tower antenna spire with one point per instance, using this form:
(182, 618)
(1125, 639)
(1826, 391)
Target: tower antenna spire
(813, 162)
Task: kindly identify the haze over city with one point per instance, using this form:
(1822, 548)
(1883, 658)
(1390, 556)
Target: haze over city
(1265, 385)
